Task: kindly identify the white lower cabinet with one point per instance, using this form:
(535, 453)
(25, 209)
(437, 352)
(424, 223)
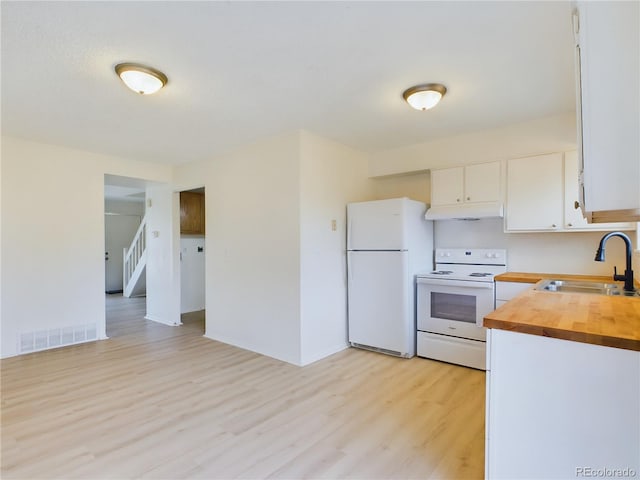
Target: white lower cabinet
(560, 409)
(505, 291)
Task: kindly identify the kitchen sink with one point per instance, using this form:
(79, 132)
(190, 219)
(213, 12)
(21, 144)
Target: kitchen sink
(579, 286)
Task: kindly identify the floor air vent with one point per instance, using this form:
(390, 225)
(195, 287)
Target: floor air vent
(56, 337)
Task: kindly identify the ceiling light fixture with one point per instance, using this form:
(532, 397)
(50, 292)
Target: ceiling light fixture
(140, 78)
(424, 97)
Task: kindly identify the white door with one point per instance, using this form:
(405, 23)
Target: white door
(377, 225)
(119, 231)
(192, 274)
(380, 306)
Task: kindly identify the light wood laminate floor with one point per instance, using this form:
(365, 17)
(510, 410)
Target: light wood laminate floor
(164, 402)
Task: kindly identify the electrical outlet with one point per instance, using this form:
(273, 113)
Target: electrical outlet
(635, 262)
(334, 225)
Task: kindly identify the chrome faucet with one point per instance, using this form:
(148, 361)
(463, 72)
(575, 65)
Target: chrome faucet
(628, 273)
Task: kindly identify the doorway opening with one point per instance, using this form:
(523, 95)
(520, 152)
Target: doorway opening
(124, 210)
(192, 257)
(124, 214)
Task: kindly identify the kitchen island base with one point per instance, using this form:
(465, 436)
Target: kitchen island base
(560, 409)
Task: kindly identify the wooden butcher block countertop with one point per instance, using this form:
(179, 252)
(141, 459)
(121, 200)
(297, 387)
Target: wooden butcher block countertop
(611, 321)
(522, 277)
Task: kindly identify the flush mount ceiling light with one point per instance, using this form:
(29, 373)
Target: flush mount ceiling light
(424, 97)
(140, 78)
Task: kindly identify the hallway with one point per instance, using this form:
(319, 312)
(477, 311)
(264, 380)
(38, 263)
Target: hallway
(125, 318)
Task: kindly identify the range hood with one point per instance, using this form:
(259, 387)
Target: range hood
(465, 211)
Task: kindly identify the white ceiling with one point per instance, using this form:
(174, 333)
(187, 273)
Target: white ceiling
(125, 188)
(241, 71)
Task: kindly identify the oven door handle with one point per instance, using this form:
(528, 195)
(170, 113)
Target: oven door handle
(456, 283)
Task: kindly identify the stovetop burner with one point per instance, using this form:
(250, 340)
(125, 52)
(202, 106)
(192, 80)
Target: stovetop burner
(467, 265)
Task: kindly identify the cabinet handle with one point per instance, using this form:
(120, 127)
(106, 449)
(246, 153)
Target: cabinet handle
(468, 198)
(569, 225)
(576, 205)
(553, 225)
(457, 199)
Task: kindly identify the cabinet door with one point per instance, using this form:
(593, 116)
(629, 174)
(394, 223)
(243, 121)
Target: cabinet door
(192, 213)
(447, 186)
(535, 193)
(482, 182)
(505, 291)
(609, 36)
(573, 219)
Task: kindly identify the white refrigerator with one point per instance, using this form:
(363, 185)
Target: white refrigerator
(388, 243)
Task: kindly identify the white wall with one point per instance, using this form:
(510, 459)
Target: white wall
(551, 252)
(53, 235)
(331, 175)
(163, 279)
(416, 186)
(2, 349)
(124, 207)
(252, 244)
(275, 269)
(551, 134)
(192, 273)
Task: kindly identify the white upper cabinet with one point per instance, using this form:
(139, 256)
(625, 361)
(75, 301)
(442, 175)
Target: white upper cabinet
(573, 216)
(534, 193)
(447, 186)
(468, 184)
(542, 195)
(482, 182)
(608, 59)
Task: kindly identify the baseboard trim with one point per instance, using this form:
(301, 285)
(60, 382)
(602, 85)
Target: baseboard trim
(251, 348)
(153, 318)
(324, 354)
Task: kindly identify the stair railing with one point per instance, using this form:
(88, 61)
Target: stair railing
(132, 255)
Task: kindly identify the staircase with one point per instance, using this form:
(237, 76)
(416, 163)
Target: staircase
(134, 276)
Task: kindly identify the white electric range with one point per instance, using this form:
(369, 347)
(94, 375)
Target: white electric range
(452, 302)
